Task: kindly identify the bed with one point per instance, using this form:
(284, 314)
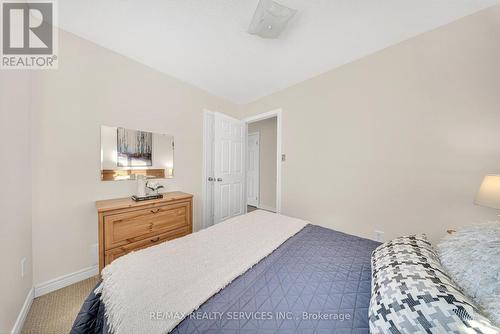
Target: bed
(318, 280)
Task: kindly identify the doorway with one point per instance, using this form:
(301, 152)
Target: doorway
(261, 164)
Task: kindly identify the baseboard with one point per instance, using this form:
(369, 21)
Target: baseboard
(47, 287)
(267, 208)
(18, 326)
(64, 281)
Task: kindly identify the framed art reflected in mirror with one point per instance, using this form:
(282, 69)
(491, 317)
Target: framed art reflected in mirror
(126, 153)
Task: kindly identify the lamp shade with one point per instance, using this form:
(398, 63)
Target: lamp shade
(489, 192)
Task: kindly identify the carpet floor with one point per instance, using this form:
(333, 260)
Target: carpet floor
(251, 208)
(55, 312)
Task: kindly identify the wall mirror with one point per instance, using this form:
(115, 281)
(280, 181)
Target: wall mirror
(126, 153)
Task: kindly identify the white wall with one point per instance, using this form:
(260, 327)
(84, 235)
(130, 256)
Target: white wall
(94, 86)
(398, 141)
(267, 161)
(15, 199)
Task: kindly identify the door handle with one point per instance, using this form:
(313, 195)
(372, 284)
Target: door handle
(211, 179)
(219, 179)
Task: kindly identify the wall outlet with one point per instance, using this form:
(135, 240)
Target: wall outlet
(94, 254)
(23, 265)
(379, 236)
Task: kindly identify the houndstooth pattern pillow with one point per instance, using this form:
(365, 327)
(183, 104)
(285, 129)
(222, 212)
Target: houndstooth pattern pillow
(411, 293)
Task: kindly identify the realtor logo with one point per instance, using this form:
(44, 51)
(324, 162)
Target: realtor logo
(29, 39)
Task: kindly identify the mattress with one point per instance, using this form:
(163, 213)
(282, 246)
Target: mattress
(319, 281)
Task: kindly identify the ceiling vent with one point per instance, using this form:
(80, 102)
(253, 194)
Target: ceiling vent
(270, 19)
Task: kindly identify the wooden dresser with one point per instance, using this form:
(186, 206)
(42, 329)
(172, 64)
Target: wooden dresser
(125, 225)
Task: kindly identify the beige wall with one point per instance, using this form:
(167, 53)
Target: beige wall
(95, 86)
(15, 199)
(398, 141)
(267, 161)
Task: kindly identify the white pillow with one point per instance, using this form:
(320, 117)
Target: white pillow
(472, 258)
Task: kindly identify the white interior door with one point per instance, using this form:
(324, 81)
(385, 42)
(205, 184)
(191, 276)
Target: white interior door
(229, 167)
(253, 169)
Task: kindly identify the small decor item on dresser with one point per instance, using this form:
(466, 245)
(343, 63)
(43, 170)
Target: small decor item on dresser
(141, 194)
(147, 197)
(141, 186)
(153, 187)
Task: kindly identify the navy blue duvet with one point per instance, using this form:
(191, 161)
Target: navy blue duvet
(318, 281)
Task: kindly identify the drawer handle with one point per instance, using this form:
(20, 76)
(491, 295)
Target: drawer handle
(155, 211)
(155, 239)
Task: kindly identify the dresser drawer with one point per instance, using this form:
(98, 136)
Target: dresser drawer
(128, 227)
(115, 253)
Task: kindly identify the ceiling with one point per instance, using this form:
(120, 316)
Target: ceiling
(205, 43)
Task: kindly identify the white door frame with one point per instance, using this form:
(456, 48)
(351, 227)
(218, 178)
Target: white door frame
(257, 134)
(279, 148)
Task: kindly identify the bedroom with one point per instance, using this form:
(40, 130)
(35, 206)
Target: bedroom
(387, 123)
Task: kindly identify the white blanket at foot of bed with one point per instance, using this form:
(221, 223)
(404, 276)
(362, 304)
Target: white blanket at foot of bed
(152, 290)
